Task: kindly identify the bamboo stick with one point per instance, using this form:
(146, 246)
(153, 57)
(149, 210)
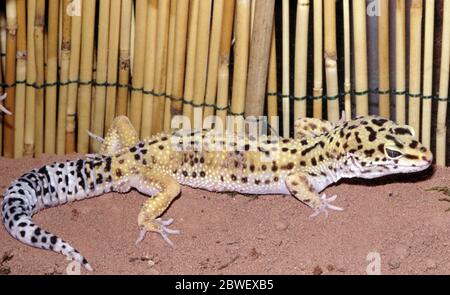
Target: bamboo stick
(400, 52)
(252, 17)
(241, 58)
(138, 64)
(3, 37)
(113, 57)
(415, 58)
(441, 128)
(272, 97)
(10, 77)
(360, 44)
(331, 61)
(347, 62)
(61, 14)
(213, 65)
(39, 50)
(383, 59)
(170, 65)
(132, 39)
(124, 57)
(87, 57)
(224, 61)
(98, 125)
(64, 77)
(318, 57)
(72, 90)
(201, 61)
(301, 59)
(2, 68)
(30, 101)
(190, 59)
(259, 58)
(21, 74)
(428, 72)
(160, 65)
(93, 89)
(149, 75)
(45, 59)
(1, 115)
(179, 55)
(51, 78)
(285, 88)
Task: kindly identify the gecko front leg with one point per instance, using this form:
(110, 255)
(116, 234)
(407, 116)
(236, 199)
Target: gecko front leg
(164, 189)
(301, 188)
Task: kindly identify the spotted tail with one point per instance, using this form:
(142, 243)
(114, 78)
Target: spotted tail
(50, 186)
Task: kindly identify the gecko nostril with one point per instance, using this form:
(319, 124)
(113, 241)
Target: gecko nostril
(427, 159)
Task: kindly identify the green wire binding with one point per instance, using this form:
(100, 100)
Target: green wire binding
(280, 96)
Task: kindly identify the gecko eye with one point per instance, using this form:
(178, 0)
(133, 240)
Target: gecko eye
(393, 154)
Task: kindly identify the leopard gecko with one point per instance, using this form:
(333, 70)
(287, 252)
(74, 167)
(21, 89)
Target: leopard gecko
(321, 153)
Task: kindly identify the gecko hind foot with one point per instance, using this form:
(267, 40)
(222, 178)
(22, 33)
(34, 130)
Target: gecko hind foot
(326, 204)
(162, 229)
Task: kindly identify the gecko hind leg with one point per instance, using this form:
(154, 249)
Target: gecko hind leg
(121, 135)
(148, 219)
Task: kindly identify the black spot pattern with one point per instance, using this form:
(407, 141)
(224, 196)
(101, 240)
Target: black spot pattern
(50, 186)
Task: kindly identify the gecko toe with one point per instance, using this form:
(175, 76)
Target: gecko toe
(325, 206)
(160, 226)
(165, 231)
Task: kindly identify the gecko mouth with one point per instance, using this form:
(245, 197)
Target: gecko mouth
(415, 167)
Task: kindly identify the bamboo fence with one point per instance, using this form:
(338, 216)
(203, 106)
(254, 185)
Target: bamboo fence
(71, 66)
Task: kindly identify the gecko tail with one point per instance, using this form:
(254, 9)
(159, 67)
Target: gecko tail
(19, 224)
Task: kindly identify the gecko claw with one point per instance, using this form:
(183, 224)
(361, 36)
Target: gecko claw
(325, 206)
(165, 231)
(162, 229)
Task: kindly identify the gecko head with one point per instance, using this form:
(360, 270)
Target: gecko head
(382, 147)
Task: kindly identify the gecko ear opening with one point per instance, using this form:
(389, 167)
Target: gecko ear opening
(392, 153)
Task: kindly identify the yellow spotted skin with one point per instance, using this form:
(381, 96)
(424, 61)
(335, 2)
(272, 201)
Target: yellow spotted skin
(321, 154)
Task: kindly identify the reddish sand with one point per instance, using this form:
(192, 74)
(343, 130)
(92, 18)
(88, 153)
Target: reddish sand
(234, 234)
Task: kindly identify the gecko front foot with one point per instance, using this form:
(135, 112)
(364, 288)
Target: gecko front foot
(157, 225)
(325, 205)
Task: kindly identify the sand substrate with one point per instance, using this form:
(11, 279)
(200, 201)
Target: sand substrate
(395, 222)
